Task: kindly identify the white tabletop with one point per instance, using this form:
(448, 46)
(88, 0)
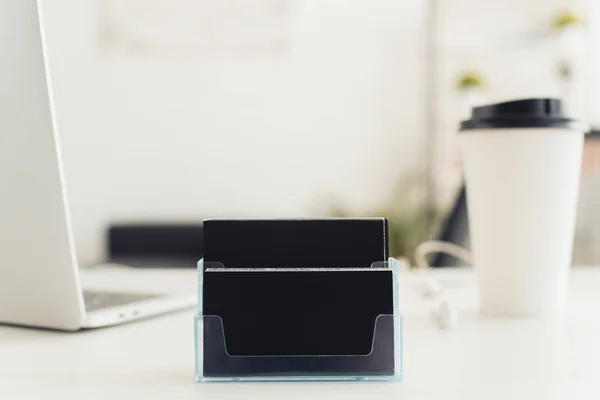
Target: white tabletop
(479, 359)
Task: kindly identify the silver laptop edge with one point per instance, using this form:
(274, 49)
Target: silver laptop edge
(39, 275)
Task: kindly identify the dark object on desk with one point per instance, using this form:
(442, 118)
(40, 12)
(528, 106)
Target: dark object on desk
(453, 229)
(293, 298)
(155, 245)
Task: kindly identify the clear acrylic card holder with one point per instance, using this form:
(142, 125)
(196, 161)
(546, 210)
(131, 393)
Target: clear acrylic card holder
(270, 324)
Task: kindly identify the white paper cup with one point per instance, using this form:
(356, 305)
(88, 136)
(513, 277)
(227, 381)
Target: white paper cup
(522, 165)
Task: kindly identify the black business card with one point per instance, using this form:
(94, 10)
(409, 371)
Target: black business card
(298, 313)
(296, 243)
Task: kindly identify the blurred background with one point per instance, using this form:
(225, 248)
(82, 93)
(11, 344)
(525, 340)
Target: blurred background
(171, 111)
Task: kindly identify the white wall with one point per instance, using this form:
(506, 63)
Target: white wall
(594, 61)
(191, 137)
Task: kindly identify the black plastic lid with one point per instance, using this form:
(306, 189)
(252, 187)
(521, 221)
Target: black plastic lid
(526, 113)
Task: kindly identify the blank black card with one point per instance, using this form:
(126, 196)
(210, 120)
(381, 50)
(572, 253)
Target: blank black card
(299, 312)
(296, 243)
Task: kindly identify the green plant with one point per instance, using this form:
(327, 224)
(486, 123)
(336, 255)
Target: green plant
(470, 80)
(407, 213)
(565, 20)
(564, 71)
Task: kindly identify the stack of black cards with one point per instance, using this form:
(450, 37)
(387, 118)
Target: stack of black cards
(297, 299)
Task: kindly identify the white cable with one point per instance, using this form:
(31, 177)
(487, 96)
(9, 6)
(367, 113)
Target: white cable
(434, 246)
(443, 313)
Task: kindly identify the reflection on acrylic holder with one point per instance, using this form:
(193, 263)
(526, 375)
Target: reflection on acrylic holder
(298, 323)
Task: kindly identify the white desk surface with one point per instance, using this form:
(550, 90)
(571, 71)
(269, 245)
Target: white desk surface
(481, 359)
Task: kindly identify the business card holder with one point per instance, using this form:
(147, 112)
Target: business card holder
(293, 324)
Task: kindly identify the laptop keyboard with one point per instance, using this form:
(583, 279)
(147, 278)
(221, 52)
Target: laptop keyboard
(97, 300)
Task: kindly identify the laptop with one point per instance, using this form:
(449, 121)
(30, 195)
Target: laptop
(39, 275)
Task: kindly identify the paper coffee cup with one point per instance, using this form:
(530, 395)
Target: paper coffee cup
(522, 163)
